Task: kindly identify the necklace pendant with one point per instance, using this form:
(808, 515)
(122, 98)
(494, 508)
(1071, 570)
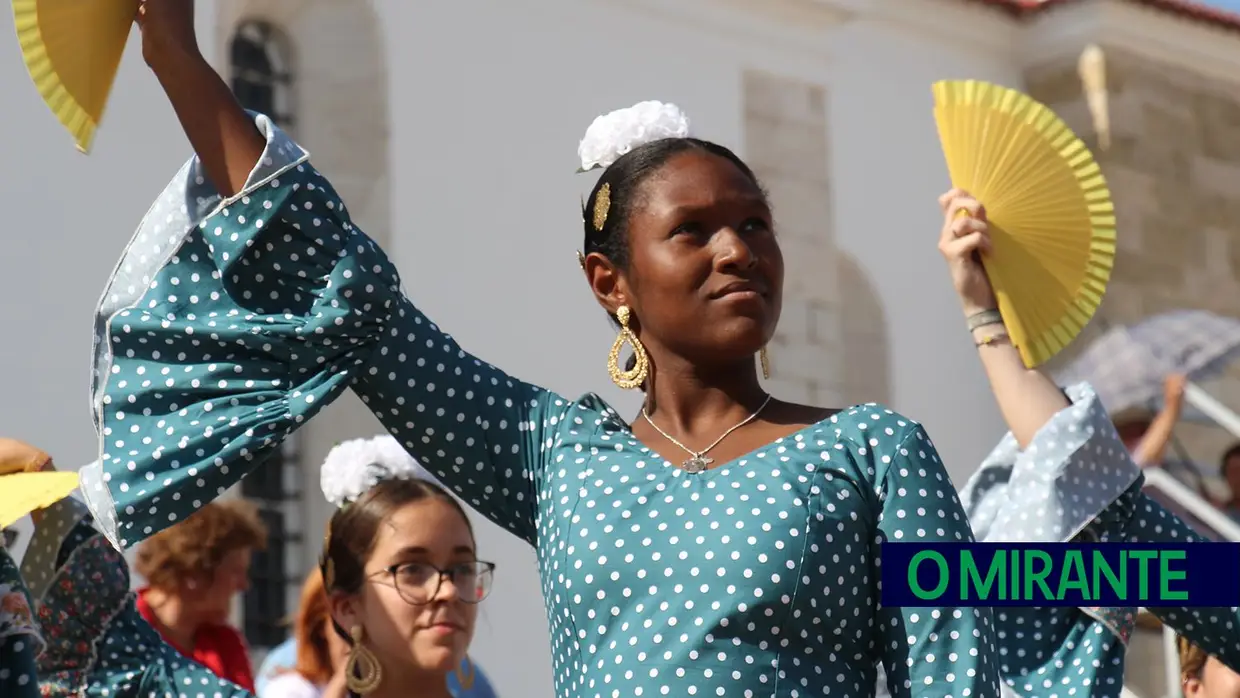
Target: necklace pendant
(696, 464)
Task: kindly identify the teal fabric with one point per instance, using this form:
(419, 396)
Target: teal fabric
(20, 641)
(758, 577)
(1076, 481)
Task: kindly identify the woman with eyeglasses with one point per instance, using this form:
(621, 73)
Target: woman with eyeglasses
(401, 572)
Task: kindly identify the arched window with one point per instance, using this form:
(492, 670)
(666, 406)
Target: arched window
(261, 71)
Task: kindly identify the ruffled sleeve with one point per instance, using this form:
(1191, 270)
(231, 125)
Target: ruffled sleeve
(222, 337)
(1075, 467)
(1076, 481)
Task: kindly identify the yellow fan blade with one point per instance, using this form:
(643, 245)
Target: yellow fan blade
(1050, 211)
(73, 49)
(22, 493)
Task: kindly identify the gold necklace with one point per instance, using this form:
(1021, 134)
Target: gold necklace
(698, 461)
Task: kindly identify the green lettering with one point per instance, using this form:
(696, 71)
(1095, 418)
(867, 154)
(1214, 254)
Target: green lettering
(1143, 558)
(1102, 568)
(916, 587)
(1014, 586)
(1072, 576)
(1166, 575)
(971, 577)
(1037, 576)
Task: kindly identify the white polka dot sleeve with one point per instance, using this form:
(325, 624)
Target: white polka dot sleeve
(928, 652)
(1075, 467)
(220, 335)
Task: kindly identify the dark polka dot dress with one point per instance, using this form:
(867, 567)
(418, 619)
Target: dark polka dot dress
(97, 644)
(1076, 481)
(20, 640)
(759, 578)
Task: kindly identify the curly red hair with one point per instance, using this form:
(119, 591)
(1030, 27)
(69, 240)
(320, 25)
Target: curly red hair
(193, 548)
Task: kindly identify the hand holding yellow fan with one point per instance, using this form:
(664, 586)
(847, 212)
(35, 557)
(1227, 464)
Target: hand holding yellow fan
(26, 481)
(73, 49)
(1052, 223)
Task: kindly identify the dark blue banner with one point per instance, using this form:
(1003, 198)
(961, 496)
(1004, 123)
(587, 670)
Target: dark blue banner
(1060, 574)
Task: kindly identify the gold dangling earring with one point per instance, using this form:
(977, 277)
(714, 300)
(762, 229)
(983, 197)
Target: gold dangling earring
(466, 678)
(362, 672)
(766, 364)
(636, 377)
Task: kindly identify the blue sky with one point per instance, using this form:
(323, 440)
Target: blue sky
(1233, 5)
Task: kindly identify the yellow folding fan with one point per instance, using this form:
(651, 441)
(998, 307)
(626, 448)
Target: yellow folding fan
(22, 493)
(1051, 218)
(73, 49)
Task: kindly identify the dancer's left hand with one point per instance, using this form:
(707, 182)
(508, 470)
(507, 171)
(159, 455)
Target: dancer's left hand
(964, 240)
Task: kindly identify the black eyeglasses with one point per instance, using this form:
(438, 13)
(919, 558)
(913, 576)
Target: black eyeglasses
(418, 582)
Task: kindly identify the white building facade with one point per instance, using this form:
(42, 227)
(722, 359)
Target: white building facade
(451, 128)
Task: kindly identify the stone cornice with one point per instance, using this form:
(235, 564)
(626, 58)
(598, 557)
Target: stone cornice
(1061, 33)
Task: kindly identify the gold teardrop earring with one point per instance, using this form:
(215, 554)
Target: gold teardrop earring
(766, 364)
(465, 674)
(363, 672)
(637, 376)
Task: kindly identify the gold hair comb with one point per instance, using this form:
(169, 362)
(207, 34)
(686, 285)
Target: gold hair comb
(602, 202)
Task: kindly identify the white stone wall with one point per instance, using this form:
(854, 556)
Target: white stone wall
(786, 143)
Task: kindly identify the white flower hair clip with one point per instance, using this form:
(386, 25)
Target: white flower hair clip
(353, 467)
(614, 134)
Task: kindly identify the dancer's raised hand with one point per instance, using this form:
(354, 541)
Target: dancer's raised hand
(167, 29)
(965, 238)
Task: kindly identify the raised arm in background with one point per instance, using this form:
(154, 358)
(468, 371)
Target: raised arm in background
(1152, 449)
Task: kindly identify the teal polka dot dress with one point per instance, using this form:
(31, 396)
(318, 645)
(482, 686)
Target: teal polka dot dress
(1076, 481)
(20, 640)
(220, 335)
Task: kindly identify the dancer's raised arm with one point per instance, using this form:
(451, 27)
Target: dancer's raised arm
(1061, 473)
(1027, 398)
(247, 301)
(220, 131)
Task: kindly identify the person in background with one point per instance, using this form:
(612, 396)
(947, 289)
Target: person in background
(1229, 468)
(194, 570)
(1204, 676)
(401, 573)
(319, 653)
(307, 662)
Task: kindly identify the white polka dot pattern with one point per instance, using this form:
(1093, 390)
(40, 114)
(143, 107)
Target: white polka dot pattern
(20, 641)
(1074, 468)
(758, 578)
(1075, 481)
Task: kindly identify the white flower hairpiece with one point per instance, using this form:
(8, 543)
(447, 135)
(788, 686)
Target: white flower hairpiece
(612, 135)
(353, 467)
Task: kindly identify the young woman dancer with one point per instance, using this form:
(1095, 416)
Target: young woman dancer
(724, 542)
